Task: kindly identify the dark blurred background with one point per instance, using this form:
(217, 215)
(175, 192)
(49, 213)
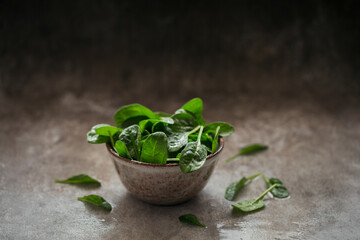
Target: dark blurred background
(119, 52)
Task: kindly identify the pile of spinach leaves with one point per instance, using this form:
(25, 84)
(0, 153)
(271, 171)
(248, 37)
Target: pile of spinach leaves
(156, 137)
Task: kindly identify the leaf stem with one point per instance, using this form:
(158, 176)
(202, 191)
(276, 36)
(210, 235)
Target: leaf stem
(233, 157)
(194, 130)
(173, 159)
(266, 192)
(266, 179)
(254, 176)
(112, 140)
(199, 136)
(217, 130)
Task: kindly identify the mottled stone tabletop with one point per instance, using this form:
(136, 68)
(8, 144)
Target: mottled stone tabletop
(313, 150)
(289, 80)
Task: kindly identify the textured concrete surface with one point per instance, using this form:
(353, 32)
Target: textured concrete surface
(314, 150)
(284, 75)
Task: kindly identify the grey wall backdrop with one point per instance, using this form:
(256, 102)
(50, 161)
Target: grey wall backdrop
(160, 49)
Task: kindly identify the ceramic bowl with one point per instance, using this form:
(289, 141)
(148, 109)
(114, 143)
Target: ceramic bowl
(163, 184)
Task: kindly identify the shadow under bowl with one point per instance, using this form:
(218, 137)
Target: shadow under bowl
(163, 184)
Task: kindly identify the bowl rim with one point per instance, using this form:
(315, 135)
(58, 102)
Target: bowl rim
(120, 158)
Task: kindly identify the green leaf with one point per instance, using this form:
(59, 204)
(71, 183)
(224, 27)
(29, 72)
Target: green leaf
(194, 106)
(133, 121)
(154, 149)
(234, 188)
(191, 219)
(147, 124)
(215, 142)
(252, 205)
(153, 125)
(252, 149)
(198, 121)
(162, 114)
(178, 140)
(159, 127)
(94, 138)
(183, 122)
(122, 150)
(206, 140)
(106, 129)
(249, 205)
(225, 128)
(165, 117)
(168, 120)
(80, 179)
(97, 201)
(248, 150)
(145, 134)
(193, 156)
(131, 137)
(204, 137)
(280, 191)
(132, 114)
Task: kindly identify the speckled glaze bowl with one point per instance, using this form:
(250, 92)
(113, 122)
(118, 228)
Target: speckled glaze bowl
(163, 184)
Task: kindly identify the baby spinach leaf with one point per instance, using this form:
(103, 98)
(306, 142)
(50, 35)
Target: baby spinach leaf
(122, 150)
(153, 125)
(94, 138)
(131, 137)
(105, 130)
(80, 179)
(147, 124)
(205, 139)
(280, 191)
(252, 205)
(162, 114)
(191, 219)
(132, 114)
(183, 122)
(112, 143)
(154, 149)
(248, 150)
(159, 127)
(97, 201)
(215, 142)
(178, 140)
(195, 107)
(234, 188)
(198, 121)
(251, 149)
(132, 121)
(249, 205)
(168, 120)
(197, 118)
(193, 156)
(135, 123)
(145, 134)
(225, 128)
(165, 117)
